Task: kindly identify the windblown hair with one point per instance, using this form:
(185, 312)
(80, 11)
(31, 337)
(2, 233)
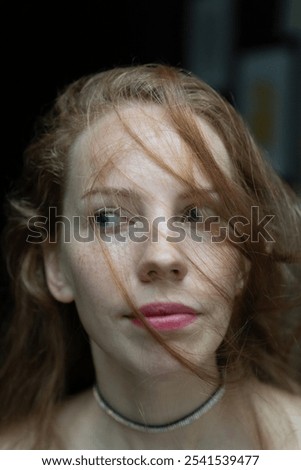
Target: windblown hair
(41, 364)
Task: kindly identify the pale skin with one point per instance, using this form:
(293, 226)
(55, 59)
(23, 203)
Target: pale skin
(136, 375)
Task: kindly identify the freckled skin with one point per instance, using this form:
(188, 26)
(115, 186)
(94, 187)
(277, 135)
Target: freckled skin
(151, 271)
(100, 305)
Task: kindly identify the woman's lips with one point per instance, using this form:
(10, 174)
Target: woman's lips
(166, 316)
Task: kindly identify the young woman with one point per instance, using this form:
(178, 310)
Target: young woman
(154, 258)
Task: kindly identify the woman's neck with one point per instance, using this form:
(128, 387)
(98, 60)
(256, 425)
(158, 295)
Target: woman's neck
(83, 424)
(155, 398)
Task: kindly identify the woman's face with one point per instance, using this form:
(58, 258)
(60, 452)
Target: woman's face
(112, 177)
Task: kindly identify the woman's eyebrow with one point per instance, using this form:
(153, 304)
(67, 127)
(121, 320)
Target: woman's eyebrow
(112, 191)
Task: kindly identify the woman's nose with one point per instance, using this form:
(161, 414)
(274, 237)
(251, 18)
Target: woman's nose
(162, 259)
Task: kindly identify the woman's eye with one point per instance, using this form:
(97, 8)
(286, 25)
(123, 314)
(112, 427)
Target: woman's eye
(194, 214)
(109, 219)
(200, 214)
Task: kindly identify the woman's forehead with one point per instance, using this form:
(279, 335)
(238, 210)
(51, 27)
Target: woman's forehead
(141, 135)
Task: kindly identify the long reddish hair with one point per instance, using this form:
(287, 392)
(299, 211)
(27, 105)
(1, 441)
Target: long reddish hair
(40, 365)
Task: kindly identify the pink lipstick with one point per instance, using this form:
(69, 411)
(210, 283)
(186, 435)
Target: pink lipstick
(166, 316)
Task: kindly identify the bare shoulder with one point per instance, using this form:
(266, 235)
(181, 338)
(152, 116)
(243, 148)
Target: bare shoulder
(73, 421)
(69, 419)
(73, 408)
(18, 437)
(281, 410)
(287, 401)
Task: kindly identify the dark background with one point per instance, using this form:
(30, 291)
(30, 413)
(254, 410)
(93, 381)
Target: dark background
(45, 45)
